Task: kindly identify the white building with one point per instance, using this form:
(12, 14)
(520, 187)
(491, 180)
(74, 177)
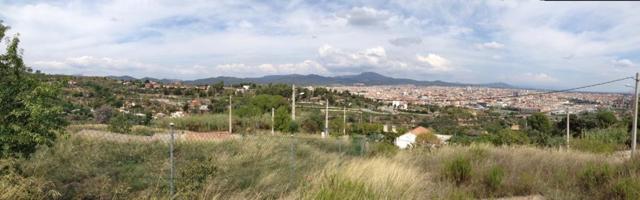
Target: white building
(408, 139)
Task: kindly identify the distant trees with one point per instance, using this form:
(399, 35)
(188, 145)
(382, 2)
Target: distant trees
(509, 137)
(313, 122)
(31, 111)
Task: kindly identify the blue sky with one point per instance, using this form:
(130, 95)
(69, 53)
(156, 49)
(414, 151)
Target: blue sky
(525, 43)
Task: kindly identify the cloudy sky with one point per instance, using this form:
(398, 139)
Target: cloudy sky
(525, 43)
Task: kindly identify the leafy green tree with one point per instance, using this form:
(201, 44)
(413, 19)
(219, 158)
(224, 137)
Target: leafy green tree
(540, 122)
(31, 110)
(282, 119)
(605, 119)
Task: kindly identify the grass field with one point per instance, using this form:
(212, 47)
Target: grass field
(307, 167)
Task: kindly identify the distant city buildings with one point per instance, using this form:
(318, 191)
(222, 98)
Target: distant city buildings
(399, 96)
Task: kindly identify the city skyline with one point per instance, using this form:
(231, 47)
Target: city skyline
(535, 44)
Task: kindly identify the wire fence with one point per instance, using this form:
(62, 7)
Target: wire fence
(177, 161)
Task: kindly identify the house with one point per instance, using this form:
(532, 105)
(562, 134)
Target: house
(409, 139)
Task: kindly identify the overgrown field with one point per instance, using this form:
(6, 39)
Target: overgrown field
(306, 167)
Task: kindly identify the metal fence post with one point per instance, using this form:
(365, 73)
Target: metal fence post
(173, 170)
(293, 160)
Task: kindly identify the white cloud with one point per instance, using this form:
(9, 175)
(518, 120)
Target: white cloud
(189, 40)
(366, 16)
(623, 63)
(438, 63)
(405, 41)
(537, 78)
(92, 63)
(490, 45)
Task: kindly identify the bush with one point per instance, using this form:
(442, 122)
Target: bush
(292, 127)
(458, 170)
(427, 138)
(493, 179)
(627, 188)
(341, 188)
(120, 124)
(595, 176)
(509, 137)
(593, 145)
(602, 140)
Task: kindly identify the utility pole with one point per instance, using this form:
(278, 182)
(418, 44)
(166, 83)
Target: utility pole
(173, 165)
(635, 118)
(230, 116)
(326, 120)
(293, 102)
(568, 131)
(273, 124)
(344, 120)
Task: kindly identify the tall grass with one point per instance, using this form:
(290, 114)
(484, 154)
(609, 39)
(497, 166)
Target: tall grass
(307, 167)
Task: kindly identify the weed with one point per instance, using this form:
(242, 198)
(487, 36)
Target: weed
(493, 179)
(458, 170)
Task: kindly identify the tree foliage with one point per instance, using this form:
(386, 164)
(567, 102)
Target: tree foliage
(31, 110)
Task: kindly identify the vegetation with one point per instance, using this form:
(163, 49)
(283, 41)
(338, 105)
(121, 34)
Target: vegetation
(304, 167)
(31, 110)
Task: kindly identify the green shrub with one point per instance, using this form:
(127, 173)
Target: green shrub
(382, 149)
(120, 124)
(593, 145)
(458, 170)
(626, 188)
(594, 176)
(602, 140)
(340, 188)
(493, 179)
(509, 137)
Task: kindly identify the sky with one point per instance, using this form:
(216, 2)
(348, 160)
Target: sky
(525, 43)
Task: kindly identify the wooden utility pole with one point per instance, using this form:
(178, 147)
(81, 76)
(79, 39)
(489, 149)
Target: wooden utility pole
(635, 118)
(273, 122)
(230, 115)
(293, 102)
(344, 120)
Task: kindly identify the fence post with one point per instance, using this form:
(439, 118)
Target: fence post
(173, 170)
(293, 160)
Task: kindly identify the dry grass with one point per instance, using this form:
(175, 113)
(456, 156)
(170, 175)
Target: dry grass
(306, 167)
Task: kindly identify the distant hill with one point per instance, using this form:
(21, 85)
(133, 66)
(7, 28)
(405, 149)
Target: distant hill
(366, 78)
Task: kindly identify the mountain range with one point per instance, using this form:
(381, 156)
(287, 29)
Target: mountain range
(365, 78)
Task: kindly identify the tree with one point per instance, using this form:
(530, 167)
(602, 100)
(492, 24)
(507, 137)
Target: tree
(605, 119)
(312, 123)
(31, 110)
(540, 122)
(282, 119)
